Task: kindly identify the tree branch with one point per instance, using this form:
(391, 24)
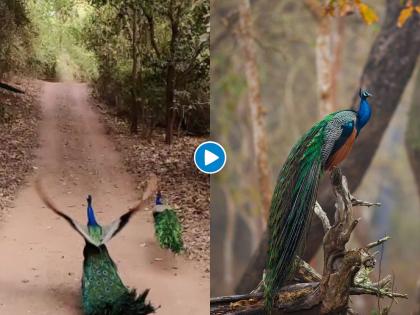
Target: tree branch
(151, 27)
(346, 271)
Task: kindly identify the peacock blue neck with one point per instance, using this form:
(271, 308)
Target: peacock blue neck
(364, 113)
(158, 200)
(90, 213)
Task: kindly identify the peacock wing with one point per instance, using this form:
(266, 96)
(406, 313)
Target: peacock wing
(117, 225)
(81, 229)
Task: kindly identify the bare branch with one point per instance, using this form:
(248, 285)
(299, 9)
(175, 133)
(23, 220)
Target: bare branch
(357, 202)
(151, 27)
(378, 242)
(322, 216)
(346, 271)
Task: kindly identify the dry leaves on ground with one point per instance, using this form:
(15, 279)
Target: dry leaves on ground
(19, 117)
(182, 185)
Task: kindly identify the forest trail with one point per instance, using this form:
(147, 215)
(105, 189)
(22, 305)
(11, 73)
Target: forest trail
(41, 256)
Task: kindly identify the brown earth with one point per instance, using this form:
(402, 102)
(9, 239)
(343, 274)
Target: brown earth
(183, 187)
(41, 257)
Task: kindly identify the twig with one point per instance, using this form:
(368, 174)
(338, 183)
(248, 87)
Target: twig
(378, 242)
(357, 202)
(368, 290)
(322, 216)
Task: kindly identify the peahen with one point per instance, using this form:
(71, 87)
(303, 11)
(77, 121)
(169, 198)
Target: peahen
(168, 229)
(10, 88)
(322, 148)
(103, 292)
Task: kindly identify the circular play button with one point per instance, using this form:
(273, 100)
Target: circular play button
(210, 157)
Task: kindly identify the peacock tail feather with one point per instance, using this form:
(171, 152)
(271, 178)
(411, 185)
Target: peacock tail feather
(168, 230)
(103, 292)
(291, 207)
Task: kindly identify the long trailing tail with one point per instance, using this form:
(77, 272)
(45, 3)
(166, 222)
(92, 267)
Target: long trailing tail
(291, 209)
(168, 230)
(128, 304)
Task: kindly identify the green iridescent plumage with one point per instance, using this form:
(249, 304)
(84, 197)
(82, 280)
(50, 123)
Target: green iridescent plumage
(323, 147)
(103, 292)
(168, 230)
(302, 169)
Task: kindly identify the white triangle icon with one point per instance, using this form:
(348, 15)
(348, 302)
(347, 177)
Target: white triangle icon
(209, 157)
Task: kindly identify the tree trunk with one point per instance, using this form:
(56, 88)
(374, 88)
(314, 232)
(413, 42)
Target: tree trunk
(255, 105)
(328, 51)
(324, 61)
(338, 40)
(388, 69)
(170, 80)
(170, 93)
(134, 112)
(412, 139)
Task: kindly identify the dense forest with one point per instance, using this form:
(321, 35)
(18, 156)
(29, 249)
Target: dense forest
(148, 61)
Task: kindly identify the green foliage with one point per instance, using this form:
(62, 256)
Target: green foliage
(14, 35)
(59, 48)
(109, 33)
(145, 58)
(168, 230)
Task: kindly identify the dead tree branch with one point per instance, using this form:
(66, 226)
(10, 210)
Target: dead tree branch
(346, 271)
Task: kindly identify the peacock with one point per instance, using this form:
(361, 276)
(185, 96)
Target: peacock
(168, 229)
(10, 88)
(322, 148)
(103, 292)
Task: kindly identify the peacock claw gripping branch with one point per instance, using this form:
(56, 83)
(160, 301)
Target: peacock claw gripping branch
(103, 292)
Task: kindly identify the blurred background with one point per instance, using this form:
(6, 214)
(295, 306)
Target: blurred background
(278, 67)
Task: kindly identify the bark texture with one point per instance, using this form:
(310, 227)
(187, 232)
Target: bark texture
(171, 74)
(255, 104)
(413, 132)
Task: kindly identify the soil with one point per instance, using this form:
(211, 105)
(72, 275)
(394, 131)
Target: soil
(183, 187)
(41, 256)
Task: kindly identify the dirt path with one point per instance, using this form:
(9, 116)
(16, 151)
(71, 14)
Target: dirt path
(41, 257)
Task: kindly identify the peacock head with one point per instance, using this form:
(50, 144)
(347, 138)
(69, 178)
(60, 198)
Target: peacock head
(90, 213)
(364, 94)
(158, 200)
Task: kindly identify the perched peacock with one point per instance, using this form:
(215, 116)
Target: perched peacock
(103, 292)
(10, 88)
(322, 148)
(168, 229)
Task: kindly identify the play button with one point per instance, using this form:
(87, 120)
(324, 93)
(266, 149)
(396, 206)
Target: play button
(210, 157)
